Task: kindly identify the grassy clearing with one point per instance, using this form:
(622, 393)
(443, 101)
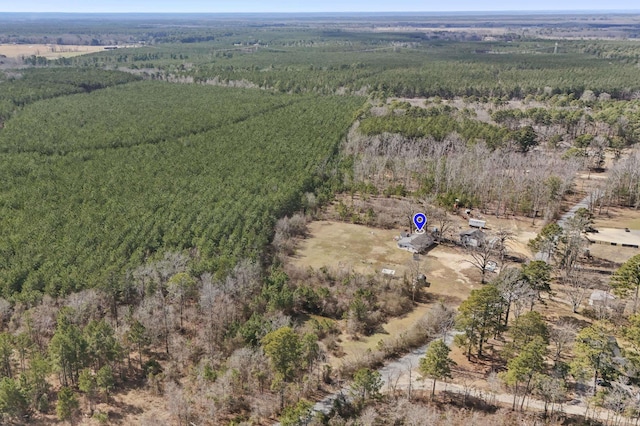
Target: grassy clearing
(49, 51)
(354, 349)
(615, 254)
(619, 218)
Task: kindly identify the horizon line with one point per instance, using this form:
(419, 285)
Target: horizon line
(338, 12)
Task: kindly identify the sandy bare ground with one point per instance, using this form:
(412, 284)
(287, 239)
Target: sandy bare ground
(49, 51)
(617, 236)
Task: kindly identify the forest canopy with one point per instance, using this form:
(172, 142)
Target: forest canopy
(94, 184)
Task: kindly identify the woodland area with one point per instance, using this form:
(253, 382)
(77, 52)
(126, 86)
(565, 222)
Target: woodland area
(152, 200)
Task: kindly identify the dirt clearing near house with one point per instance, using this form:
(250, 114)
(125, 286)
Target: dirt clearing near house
(49, 51)
(368, 250)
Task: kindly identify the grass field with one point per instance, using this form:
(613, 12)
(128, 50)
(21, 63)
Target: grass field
(619, 218)
(368, 250)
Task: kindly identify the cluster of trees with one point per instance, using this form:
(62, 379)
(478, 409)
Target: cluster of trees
(134, 114)
(424, 70)
(595, 361)
(485, 314)
(622, 187)
(232, 333)
(86, 354)
(604, 124)
(83, 219)
(236, 336)
(364, 301)
(565, 248)
(437, 127)
(500, 181)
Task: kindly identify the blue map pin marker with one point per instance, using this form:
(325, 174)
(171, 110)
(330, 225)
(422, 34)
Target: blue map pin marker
(420, 221)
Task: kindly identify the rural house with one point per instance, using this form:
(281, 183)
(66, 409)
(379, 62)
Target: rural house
(415, 243)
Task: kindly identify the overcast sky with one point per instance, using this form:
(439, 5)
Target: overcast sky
(223, 6)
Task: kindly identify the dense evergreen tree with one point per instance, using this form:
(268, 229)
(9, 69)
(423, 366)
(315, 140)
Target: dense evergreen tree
(436, 363)
(479, 317)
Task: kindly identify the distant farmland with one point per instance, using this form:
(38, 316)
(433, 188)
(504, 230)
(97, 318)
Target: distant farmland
(49, 51)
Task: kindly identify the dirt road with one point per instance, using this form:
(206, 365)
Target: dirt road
(401, 374)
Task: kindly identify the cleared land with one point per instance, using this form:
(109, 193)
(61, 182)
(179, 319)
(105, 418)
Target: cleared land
(49, 51)
(368, 250)
(619, 218)
(616, 236)
(615, 254)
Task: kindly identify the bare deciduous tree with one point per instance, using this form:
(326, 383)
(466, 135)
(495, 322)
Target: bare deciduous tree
(481, 254)
(561, 336)
(576, 286)
(438, 322)
(178, 404)
(440, 219)
(504, 236)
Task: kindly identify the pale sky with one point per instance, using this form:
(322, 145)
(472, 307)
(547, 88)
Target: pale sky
(254, 6)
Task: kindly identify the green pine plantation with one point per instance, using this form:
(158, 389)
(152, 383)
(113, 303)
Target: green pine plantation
(95, 184)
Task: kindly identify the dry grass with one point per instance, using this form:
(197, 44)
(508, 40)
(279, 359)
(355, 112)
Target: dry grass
(343, 245)
(392, 329)
(619, 218)
(134, 407)
(49, 51)
(614, 254)
(367, 250)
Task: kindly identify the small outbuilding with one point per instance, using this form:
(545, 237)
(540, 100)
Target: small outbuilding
(472, 238)
(416, 243)
(601, 298)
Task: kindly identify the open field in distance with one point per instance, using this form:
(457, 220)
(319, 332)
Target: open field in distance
(49, 51)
